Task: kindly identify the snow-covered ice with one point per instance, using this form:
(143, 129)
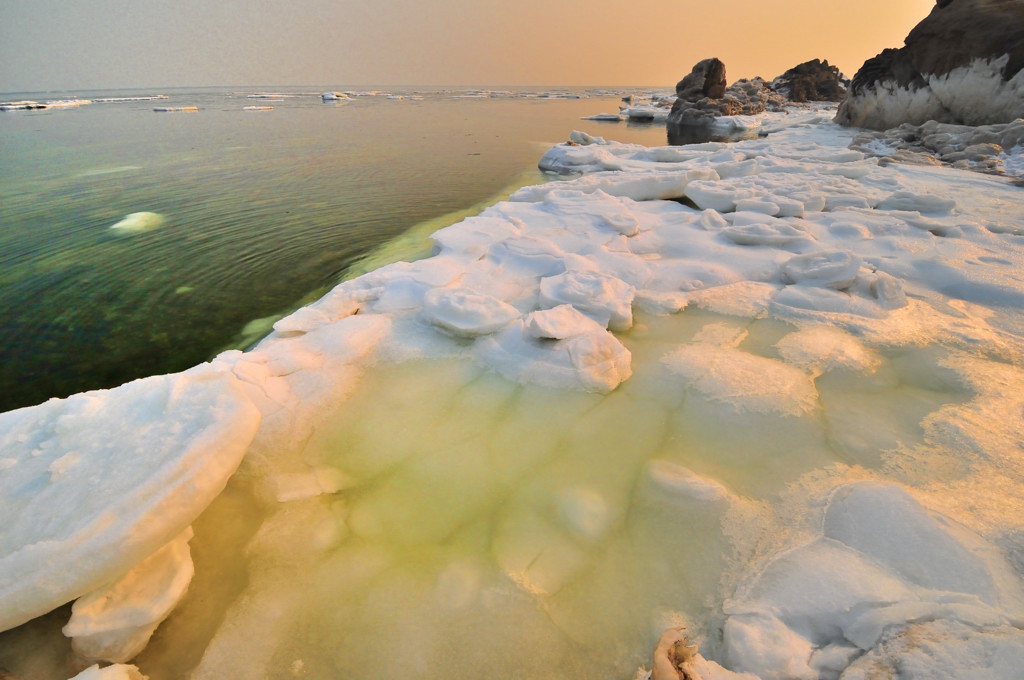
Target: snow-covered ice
(768, 391)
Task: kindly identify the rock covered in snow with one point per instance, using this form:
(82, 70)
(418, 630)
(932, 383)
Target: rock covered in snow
(993, 149)
(812, 81)
(961, 64)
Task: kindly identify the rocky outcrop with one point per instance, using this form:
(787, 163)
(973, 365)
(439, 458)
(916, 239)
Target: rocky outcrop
(706, 79)
(812, 81)
(982, 148)
(702, 96)
(963, 64)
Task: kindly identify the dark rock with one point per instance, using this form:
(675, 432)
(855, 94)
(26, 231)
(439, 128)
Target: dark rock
(962, 64)
(702, 96)
(706, 79)
(812, 81)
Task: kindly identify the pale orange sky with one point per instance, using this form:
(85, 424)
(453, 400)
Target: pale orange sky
(55, 44)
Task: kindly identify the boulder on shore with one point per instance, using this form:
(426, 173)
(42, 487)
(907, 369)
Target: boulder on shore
(963, 64)
(702, 96)
(812, 81)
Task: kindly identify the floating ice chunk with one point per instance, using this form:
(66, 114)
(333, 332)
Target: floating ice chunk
(715, 196)
(473, 235)
(559, 323)
(600, 207)
(605, 299)
(115, 622)
(684, 483)
(115, 672)
(528, 255)
(819, 349)
(466, 313)
(839, 201)
(138, 222)
(745, 381)
(645, 113)
(747, 299)
(774, 233)
(584, 139)
(797, 299)
(744, 168)
(759, 205)
(594, 361)
(763, 645)
(179, 438)
(611, 117)
(887, 290)
(639, 185)
(923, 549)
(836, 269)
(601, 361)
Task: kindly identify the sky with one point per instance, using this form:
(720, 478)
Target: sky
(118, 44)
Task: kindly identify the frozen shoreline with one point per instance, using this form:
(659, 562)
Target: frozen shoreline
(866, 316)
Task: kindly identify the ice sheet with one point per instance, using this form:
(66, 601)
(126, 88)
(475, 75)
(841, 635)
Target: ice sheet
(95, 483)
(686, 387)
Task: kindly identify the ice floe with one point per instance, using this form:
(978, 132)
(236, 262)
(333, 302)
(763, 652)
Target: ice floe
(769, 391)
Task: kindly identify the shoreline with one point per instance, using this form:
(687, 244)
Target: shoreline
(806, 291)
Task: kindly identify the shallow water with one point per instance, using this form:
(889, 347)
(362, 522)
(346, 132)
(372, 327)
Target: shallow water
(264, 211)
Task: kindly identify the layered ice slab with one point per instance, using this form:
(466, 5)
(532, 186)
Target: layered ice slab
(95, 483)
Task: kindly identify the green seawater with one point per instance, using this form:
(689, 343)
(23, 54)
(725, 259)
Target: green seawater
(262, 211)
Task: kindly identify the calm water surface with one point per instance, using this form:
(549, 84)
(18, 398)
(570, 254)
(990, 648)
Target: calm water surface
(264, 211)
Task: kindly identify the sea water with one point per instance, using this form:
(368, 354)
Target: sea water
(260, 211)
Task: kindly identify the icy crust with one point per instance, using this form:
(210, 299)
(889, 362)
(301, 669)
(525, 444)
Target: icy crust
(95, 483)
(970, 95)
(848, 602)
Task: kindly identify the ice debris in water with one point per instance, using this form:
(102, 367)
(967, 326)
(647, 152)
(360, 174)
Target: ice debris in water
(138, 222)
(771, 390)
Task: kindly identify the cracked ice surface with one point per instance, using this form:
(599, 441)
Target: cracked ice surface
(784, 409)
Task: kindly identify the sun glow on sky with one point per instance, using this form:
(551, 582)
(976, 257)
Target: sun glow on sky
(51, 44)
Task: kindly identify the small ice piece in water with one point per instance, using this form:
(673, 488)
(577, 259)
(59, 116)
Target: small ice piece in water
(466, 313)
(745, 381)
(115, 623)
(606, 299)
(138, 222)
